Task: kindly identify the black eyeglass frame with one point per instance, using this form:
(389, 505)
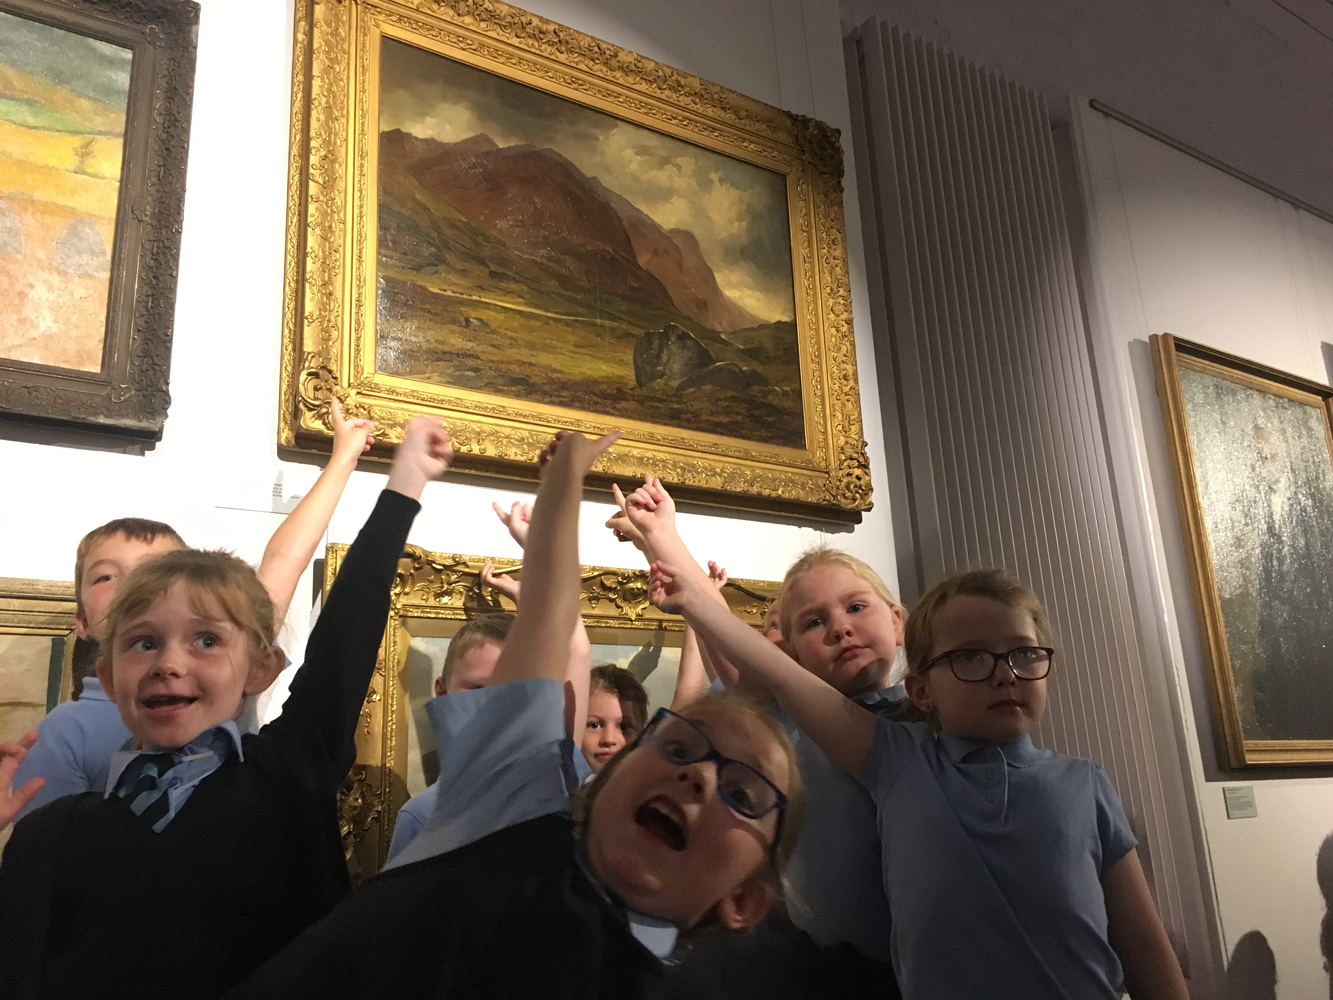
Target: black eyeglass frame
(1006, 657)
(720, 759)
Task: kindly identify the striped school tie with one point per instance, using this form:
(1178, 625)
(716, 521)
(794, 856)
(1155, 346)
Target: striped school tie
(148, 797)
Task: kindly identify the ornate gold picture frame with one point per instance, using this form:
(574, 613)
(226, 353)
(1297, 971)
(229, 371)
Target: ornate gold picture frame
(36, 650)
(434, 593)
(1252, 457)
(434, 267)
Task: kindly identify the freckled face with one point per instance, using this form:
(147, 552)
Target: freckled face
(998, 710)
(712, 850)
(108, 563)
(176, 671)
(842, 631)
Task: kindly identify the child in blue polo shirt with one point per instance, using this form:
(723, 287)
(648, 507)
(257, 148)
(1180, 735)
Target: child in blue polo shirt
(1011, 871)
(77, 739)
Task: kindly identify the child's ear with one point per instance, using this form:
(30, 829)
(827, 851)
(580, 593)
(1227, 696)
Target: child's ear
(746, 905)
(81, 627)
(264, 670)
(104, 675)
(440, 689)
(899, 629)
(919, 691)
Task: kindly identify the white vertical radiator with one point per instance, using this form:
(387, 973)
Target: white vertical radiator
(994, 426)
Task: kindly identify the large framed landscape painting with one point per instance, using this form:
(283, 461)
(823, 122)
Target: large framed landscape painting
(94, 126)
(521, 228)
(1252, 453)
(434, 594)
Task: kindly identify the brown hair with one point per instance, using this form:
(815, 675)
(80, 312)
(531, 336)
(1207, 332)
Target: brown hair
(216, 582)
(996, 584)
(138, 529)
(823, 555)
(775, 862)
(618, 681)
(477, 632)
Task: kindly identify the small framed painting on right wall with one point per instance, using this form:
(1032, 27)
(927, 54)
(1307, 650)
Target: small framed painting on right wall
(1252, 456)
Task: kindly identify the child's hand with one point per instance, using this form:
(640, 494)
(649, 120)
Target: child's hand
(351, 438)
(571, 452)
(650, 508)
(11, 755)
(518, 520)
(424, 455)
(718, 574)
(670, 589)
(506, 585)
(620, 525)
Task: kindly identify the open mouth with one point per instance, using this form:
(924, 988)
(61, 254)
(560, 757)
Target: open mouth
(662, 819)
(161, 701)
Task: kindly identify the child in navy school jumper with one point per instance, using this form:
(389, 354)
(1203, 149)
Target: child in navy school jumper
(832, 937)
(76, 740)
(504, 893)
(1011, 871)
(218, 848)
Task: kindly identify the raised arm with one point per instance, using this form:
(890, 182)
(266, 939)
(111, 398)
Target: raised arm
(842, 729)
(293, 545)
(538, 644)
(327, 694)
(690, 678)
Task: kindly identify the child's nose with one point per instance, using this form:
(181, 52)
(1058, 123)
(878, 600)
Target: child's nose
(695, 776)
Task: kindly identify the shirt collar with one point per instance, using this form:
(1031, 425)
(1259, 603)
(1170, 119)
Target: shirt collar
(1019, 753)
(222, 740)
(92, 690)
(884, 695)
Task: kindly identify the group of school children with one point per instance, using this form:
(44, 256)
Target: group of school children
(799, 828)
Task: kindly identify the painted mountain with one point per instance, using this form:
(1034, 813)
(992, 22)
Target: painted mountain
(507, 270)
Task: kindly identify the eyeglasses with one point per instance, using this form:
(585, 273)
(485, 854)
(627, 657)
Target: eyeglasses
(1028, 663)
(745, 789)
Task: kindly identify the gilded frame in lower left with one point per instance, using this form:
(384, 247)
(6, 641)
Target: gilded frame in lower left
(447, 587)
(42, 608)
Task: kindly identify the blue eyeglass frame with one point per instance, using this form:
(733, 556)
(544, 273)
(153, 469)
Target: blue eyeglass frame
(719, 759)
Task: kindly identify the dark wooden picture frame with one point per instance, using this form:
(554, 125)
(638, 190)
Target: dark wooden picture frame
(129, 396)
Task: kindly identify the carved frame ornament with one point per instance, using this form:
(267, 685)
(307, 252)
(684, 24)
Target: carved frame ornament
(447, 587)
(129, 396)
(329, 300)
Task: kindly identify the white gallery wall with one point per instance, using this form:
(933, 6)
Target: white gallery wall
(213, 474)
(1177, 246)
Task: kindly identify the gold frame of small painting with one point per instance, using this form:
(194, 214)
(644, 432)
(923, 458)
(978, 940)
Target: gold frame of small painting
(427, 309)
(438, 591)
(42, 608)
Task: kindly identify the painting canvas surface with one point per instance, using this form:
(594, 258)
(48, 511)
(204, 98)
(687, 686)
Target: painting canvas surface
(1265, 480)
(63, 100)
(539, 250)
(654, 664)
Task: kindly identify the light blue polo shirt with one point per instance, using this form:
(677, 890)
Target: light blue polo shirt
(836, 893)
(418, 809)
(993, 858)
(73, 751)
(505, 758)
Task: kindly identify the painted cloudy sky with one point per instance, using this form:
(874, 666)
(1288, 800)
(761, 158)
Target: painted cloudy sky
(737, 211)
